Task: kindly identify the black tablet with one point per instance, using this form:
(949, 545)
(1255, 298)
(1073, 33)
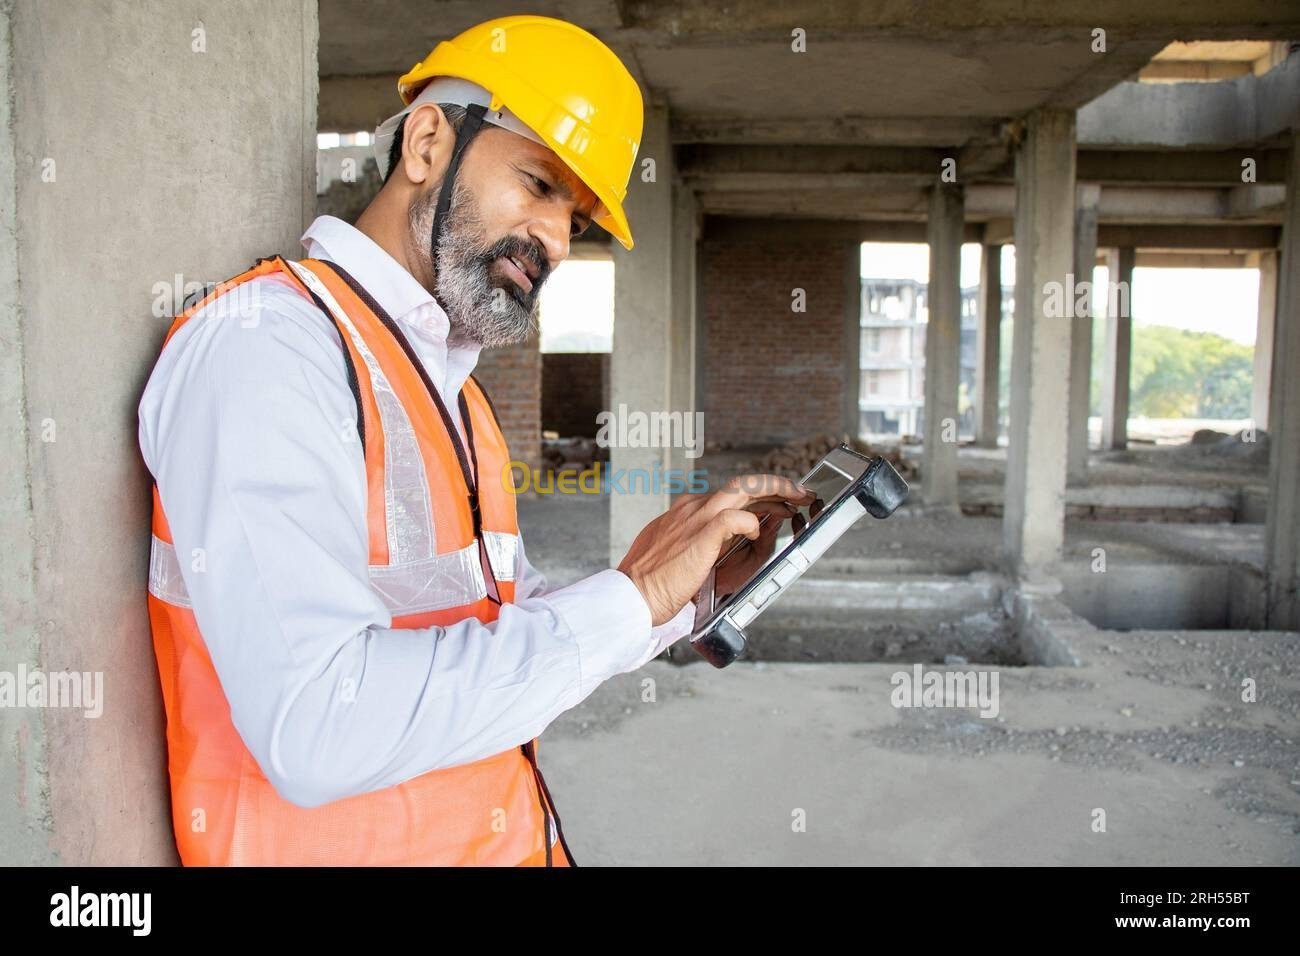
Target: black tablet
(848, 485)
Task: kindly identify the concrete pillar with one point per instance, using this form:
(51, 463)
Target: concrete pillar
(988, 350)
(1119, 348)
(1282, 522)
(129, 155)
(1033, 526)
(1085, 257)
(852, 344)
(1263, 372)
(943, 346)
(641, 364)
(682, 382)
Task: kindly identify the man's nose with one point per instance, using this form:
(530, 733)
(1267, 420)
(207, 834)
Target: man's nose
(552, 232)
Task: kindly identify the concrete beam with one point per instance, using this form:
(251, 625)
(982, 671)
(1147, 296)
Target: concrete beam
(1251, 200)
(1191, 259)
(1173, 221)
(225, 173)
(892, 131)
(349, 104)
(595, 244)
(882, 190)
(820, 190)
(823, 205)
(988, 348)
(942, 348)
(1187, 205)
(1282, 522)
(1163, 236)
(1240, 112)
(641, 364)
(1085, 257)
(1033, 526)
(1156, 21)
(764, 229)
(699, 160)
(833, 163)
(1119, 349)
(1127, 205)
(999, 232)
(1180, 168)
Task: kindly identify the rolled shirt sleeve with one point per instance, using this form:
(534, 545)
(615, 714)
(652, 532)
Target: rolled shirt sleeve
(529, 582)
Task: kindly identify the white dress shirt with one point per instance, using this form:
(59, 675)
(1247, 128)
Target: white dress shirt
(240, 425)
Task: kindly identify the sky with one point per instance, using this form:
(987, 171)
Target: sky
(577, 303)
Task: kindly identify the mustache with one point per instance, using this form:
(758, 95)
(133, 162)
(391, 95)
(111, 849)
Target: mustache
(523, 250)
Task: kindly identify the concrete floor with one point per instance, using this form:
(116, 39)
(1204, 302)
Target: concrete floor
(690, 765)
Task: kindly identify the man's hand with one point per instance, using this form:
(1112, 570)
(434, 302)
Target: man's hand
(746, 556)
(672, 555)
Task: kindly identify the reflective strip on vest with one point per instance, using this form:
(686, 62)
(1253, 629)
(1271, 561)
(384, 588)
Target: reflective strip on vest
(165, 581)
(435, 584)
(443, 581)
(406, 488)
(503, 553)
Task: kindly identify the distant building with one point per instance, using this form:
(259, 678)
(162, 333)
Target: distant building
(891, 395)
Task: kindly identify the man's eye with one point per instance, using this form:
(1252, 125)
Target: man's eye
(542, 185)
(577, 228)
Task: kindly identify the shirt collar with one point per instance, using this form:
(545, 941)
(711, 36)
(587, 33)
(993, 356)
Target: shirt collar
(407, 302)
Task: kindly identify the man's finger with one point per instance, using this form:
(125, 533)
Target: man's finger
(730, 523)
(743, 490)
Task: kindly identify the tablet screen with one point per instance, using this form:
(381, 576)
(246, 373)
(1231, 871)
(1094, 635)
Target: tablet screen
(828, 480)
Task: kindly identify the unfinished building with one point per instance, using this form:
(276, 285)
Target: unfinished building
(1139, 604)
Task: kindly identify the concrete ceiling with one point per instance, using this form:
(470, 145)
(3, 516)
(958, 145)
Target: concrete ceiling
(725, 69)
(976, 60)
(899, 81)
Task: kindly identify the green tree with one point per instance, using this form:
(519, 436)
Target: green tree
(1182, 374)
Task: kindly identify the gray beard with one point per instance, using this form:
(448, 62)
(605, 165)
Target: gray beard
(480, 312)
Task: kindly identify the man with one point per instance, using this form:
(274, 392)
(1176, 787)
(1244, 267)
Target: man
(356, 655)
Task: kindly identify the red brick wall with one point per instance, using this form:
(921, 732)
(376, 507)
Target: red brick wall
(512, 378)
(574, 391)
(771, 374)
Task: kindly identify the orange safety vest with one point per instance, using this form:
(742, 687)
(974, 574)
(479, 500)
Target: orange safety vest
(442, 548)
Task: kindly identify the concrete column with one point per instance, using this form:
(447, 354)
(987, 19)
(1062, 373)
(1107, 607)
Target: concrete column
(988, 351)
(128, 156)
(641, 364)
(852, 344)
(1085, 257)
(1033, 526)
(1263, 372)
(943, 346)
(1119, 348)
(682, 383)
(1282, 528)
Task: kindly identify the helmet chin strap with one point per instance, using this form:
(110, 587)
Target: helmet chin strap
(469, 129)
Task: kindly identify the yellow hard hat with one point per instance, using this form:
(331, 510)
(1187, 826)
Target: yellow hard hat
(565, 84)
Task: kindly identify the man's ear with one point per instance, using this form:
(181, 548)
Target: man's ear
(427, 143)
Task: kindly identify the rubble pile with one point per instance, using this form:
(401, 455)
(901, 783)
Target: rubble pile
(571, 454)
(796, 458)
